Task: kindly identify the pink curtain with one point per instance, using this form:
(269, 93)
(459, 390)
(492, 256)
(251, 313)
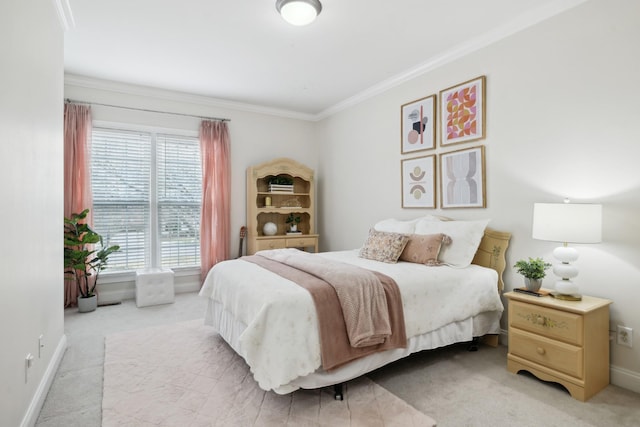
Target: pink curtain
(215, 233)
(77, 178)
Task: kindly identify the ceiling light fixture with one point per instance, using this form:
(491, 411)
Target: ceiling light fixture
(299, 12)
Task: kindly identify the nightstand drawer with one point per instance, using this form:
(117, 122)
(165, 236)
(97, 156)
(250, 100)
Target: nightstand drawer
(548, 322)
(547, 352)
(269, 244)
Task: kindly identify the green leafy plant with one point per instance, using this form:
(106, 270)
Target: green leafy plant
(82, 261)
(292, 219)
(281, 180)
(534, 268)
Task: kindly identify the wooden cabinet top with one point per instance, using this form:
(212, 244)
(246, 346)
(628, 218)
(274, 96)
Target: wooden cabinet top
(585, 305)
(281, 165)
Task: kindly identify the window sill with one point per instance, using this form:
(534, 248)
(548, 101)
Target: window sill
(130, 275)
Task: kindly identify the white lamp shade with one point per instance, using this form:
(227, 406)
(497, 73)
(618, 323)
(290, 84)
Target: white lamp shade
(567, 222)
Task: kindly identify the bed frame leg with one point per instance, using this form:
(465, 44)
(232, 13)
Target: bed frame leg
(473, 345)
(337, 391)
(492, 340)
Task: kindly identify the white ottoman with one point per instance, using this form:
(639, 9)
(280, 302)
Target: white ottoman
(154, 286)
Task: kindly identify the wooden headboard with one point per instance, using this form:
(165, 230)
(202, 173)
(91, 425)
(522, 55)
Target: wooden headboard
(491, 252)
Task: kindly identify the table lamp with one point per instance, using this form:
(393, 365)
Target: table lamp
(567, 223)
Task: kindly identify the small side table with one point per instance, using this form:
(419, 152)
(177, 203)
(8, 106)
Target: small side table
(561, 341)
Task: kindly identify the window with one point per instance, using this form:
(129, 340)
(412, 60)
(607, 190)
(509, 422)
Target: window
(146, 197)
(179, 184)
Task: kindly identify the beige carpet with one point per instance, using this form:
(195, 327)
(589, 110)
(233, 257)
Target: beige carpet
(185, 375)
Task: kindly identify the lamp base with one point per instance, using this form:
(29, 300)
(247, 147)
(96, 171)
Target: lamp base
(566, 297)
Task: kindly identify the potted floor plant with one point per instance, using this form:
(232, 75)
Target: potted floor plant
(533, 271)
(85, 256)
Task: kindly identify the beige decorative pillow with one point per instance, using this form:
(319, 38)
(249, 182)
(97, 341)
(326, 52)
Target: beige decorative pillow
(465, 239)
(424, 248)
(382, 246)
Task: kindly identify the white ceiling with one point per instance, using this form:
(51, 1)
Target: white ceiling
(243, 51)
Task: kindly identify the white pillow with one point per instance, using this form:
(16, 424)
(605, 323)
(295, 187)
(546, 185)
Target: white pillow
(465, 239)
(392, 225)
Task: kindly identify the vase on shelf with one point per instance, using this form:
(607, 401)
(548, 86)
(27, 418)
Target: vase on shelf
(269, 229)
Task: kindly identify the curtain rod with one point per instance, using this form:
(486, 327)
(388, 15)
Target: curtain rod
(67, 100)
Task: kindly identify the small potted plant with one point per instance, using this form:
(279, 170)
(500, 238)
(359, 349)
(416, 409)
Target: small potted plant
(82, 261)
(280, 180)
(293, 221)
(280, 184)
(533, 271)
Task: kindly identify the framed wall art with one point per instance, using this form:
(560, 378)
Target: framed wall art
(419, 182)
(418, 125)
(462, 112)
(462, 179)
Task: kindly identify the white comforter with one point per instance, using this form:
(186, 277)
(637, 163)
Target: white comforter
(281, 343)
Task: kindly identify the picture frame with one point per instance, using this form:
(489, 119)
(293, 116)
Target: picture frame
(463, 112)
(462, 178)
(418, 125)
(419, 182)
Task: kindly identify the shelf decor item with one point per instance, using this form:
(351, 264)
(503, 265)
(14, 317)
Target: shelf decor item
(462, 178)
(462, 112)
(419, 182)
(418, 125)
(280, 184)
(293, 221)
(269, 229)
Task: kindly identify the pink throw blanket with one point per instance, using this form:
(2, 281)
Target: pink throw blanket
(359, 311)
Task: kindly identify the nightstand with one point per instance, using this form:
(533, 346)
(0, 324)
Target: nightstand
(561, 341)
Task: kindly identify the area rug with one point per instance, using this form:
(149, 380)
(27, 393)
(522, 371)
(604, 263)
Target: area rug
(185, 375)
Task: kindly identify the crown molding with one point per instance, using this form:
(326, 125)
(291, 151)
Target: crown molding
(65, 15)
(168, 95)
(523, 22)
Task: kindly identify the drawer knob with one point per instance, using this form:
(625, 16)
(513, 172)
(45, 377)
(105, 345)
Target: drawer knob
(540, 320)
(541, 351)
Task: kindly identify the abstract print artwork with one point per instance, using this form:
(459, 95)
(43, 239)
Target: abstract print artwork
(419, 182)
(462, 112)
(462, 178)
(418, 125)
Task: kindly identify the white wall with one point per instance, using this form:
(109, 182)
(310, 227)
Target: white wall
(562, 120)
(31, 295)
(255, 138)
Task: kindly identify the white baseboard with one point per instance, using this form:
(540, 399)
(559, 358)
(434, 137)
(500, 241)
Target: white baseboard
(113, 293)
(503, 338)
(187, 287)
(39, 397)
(625, 378)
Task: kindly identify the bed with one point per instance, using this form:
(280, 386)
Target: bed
(271, 321)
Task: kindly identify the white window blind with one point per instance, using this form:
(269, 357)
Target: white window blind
(120, 178)
(146, 197)
(179, 190)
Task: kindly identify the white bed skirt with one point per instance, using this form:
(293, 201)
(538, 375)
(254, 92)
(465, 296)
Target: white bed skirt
(485, 323)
